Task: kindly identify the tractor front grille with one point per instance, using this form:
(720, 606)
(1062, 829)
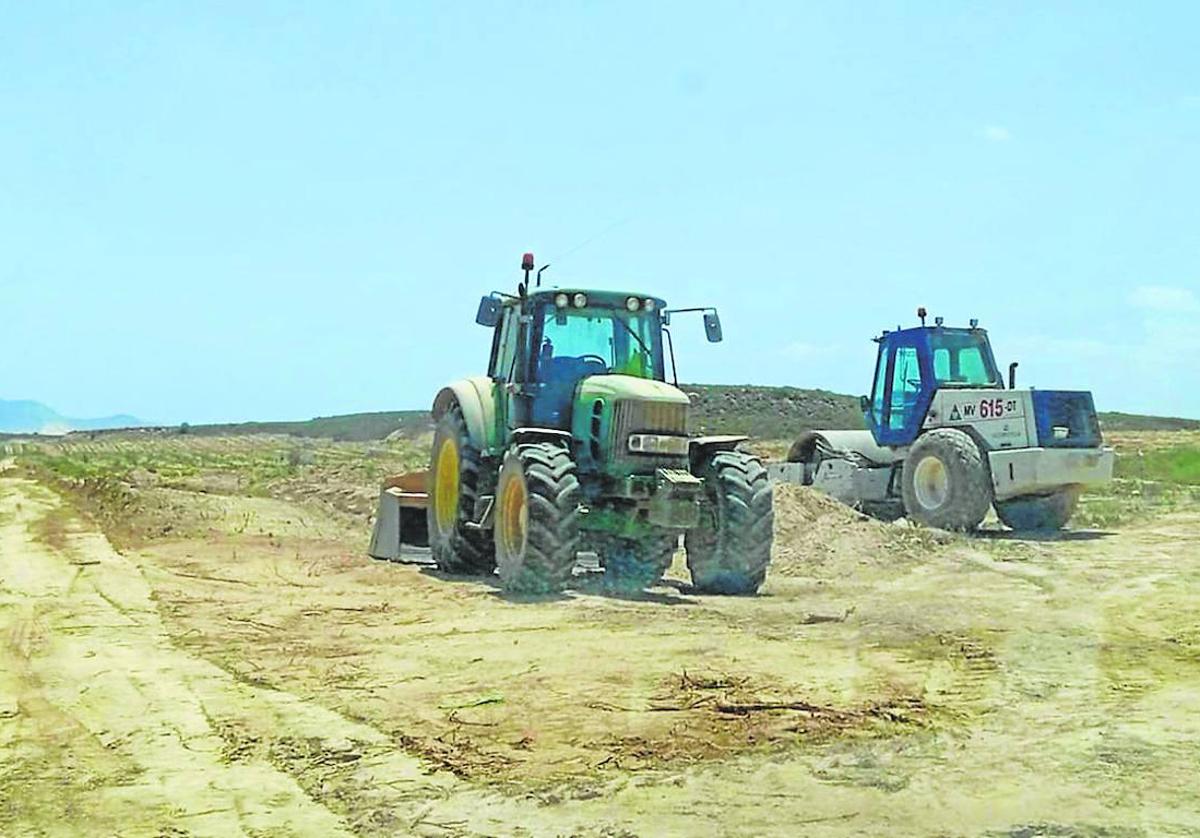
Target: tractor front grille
(632, 417)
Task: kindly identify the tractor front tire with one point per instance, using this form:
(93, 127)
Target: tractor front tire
(632, 565)
(537, 518)
(945, 481)
(453, 485)
(730, 551)
(1033, 513)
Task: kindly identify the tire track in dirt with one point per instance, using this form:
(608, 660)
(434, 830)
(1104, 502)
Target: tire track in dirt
(98, 700)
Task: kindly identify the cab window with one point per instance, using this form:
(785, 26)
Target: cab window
(906, 387)
(880, 392)
(504, 345)
(598, 341)
(960, 359)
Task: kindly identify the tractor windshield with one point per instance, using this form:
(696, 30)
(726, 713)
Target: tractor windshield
(578, 342)
(963, 359)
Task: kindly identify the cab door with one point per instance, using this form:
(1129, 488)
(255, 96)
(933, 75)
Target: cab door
(904, 388)
(505, 369)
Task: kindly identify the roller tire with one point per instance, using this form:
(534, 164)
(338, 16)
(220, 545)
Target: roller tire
(967, 493)
(1039, 513)
(457, 549)
(632, 565)
(537, 554)
(729, 553)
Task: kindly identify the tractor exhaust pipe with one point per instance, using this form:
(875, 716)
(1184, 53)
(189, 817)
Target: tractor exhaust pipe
(1012, 375)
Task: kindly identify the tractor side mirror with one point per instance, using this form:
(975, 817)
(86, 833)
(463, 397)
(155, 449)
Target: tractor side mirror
(489, 311)
(712, 326)
(864, 403)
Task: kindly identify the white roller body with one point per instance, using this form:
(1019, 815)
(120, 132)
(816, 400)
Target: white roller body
(1035, 471)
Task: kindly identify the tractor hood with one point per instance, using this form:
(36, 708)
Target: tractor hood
(628, 387)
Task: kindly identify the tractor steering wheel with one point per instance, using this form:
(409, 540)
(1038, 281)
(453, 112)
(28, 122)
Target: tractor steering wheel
(596, 358)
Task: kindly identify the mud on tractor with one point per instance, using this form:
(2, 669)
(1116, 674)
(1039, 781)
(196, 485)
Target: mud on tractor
(947, 440)
(574, 441)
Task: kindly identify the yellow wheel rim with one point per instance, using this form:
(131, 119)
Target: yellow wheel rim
(514, 518)
(931, 483)
(445, 490)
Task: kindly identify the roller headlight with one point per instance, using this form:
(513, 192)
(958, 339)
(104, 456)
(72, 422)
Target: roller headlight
(648, 304)
(579, 300)
(561, 300)
(633, 303)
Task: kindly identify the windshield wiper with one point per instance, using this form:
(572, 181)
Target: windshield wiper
(636, 337)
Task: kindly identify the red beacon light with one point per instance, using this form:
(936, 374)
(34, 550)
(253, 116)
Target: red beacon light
(527, 262)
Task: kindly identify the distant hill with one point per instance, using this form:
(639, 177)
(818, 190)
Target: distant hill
(782, 412)
(770, 412)
(1134, 422)
(759, 411)
(352, 427)
(762, 412)
(30, 417)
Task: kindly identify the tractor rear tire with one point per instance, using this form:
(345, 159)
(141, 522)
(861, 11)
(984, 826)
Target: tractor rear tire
(729, 553)
(1033, 513)
(632, 565)
(453, 485)
(945, 481)
(537, 518)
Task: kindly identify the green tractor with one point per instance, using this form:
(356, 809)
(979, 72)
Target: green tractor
(575, 442)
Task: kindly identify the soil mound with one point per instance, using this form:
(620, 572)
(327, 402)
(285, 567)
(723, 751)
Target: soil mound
(816, 535)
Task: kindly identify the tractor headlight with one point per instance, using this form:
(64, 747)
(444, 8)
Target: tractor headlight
(633, 303)
(579, 300)
(648, 304)
(561, 300)
(659, 444)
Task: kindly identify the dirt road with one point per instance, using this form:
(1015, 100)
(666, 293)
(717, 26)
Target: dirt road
(269, 680)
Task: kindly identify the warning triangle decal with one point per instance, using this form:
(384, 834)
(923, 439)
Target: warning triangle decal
(955, 416)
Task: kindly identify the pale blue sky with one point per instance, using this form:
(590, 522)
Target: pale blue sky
(233, 211)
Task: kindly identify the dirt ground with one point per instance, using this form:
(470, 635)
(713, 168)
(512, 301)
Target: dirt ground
(260, 676)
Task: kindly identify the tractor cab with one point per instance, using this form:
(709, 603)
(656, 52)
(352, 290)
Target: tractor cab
(913, 364)
(547, 342)
(574, 335)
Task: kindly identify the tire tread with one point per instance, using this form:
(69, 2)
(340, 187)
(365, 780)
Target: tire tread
(732, 555)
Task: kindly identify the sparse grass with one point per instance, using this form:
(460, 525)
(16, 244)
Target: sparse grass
(1180, 464)
(258, 461)
(1126, 501)
(122, 481)
(1156, 472)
